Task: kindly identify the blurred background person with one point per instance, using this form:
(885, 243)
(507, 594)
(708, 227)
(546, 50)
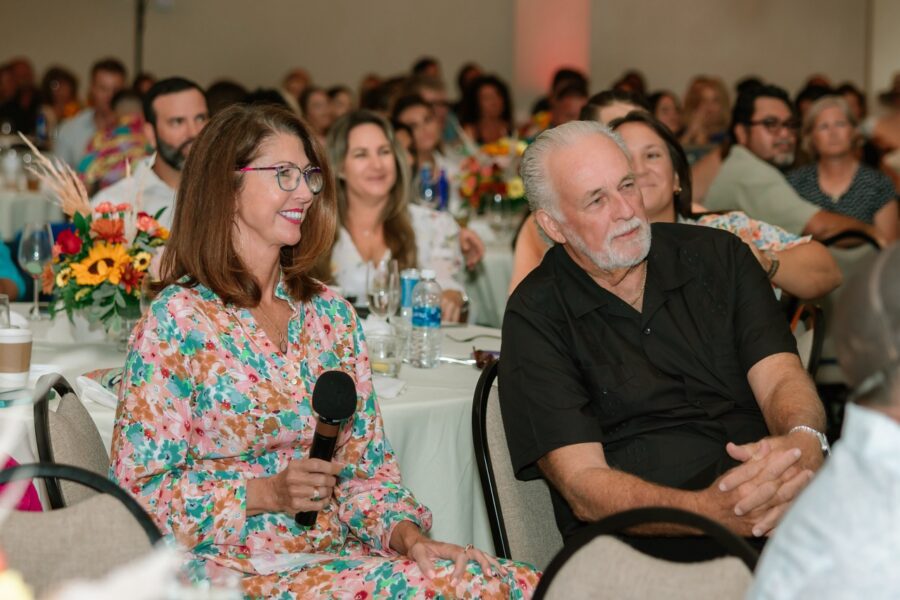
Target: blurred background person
(59, 94)
(340, 101)
(292, 86)
(665, 107)
(316, 109)
(487, 113)
(21, 109)
(222, 94)
(837, 180)
(142, 83)
(706, 115)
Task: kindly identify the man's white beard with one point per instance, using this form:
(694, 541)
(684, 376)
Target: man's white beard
(612, 259)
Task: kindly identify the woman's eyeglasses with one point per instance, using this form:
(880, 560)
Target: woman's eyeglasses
(289, 176)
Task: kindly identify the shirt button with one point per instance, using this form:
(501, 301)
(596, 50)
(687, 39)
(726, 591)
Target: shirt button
(647, 331)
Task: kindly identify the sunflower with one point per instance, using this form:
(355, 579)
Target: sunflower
(142, 261)
(103, 262)
(63, 277)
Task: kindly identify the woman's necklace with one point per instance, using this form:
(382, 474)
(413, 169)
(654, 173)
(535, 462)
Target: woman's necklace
(282, 340)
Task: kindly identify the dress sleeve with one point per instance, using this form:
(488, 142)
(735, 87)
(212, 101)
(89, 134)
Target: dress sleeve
(763, 235)
(371, 498)
(152, 435)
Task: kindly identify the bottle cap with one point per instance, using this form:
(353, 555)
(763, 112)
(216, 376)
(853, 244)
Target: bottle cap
(427, 274)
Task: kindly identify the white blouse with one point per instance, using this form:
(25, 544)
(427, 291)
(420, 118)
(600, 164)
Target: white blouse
(437, 247)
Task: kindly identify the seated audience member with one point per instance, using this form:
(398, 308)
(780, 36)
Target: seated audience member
(705, 112)
(426, 66)
(798, 265)
(648, 365)
(611, 104)
(22, 108)
(292, 86)
(59, 93)
(633, 82)
(215, 420)
(540, 110)
(763, 131)
(837, 181)
(376, 220)
(107, 78)
(434, 92)
(111, 151)
(486, 114)
(222, 94)
(567, 102)
(664, 106)
(315, 107)
(142, 83)
(11, 282)
(340, 101)
(174, 114)
(840, 538)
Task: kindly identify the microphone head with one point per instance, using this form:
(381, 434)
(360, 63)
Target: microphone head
(334, 396)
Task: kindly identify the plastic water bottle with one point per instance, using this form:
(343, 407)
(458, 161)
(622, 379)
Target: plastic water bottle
(425, 340)
(443, 191)
(426, 187)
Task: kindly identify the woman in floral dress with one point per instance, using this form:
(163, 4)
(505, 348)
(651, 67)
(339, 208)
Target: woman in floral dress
(215, 418)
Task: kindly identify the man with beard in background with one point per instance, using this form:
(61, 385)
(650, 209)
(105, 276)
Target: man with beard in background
(175, 111)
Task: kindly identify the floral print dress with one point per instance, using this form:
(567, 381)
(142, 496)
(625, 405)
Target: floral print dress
(208, 402)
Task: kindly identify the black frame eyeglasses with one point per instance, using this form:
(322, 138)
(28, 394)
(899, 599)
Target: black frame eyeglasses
(288, 176)
(774, 125)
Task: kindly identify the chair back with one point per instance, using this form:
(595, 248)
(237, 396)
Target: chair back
(85, 540)
(521, 516)
(808, 327)
(594, 564)
(66, 436)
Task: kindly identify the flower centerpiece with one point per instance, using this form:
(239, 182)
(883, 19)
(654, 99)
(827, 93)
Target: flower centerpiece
(99, 264)
(489, 176)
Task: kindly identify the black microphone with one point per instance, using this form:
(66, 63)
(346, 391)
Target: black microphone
(334, 400)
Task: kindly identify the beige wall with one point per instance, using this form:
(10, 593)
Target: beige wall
(783, 41)
(256, 42)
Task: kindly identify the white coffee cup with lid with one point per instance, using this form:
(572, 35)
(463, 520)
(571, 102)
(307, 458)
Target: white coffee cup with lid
(15, 357)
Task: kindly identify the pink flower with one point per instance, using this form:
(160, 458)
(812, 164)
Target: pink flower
(147, 224)
(105, 208)
(124, 207)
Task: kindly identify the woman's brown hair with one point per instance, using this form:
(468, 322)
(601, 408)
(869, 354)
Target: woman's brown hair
(399, 235)
(201, 248)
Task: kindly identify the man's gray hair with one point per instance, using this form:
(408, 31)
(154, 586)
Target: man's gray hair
(535, 174)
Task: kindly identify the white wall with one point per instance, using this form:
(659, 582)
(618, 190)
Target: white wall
(783, 41)
(885, 46)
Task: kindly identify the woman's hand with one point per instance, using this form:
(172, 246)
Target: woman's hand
(409, 541)
(472, 247)
(451, 306)
(306, 484)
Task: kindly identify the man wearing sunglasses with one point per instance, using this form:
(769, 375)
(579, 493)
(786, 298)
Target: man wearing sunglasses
(749, 178)
(175, 112)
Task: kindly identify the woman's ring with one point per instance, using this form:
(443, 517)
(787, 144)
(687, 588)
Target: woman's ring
(467, 548)
(315, 496)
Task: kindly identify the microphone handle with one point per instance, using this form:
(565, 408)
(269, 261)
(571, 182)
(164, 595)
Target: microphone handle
(323, 444)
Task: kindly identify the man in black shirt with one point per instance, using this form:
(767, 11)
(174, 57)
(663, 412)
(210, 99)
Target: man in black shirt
(648, 374)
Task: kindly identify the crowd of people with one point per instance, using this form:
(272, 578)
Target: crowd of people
(646, 359)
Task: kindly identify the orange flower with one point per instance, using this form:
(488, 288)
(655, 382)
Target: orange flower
(110, 230)
(47, 279)
(131, 278)
(124, 207)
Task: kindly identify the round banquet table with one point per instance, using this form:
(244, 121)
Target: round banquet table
(429, 423)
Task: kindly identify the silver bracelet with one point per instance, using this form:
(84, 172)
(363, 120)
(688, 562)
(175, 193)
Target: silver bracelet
(823, 441)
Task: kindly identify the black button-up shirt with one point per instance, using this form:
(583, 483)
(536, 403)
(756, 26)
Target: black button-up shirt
(663, 390)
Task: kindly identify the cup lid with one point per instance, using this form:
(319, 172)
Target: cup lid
(14, 335)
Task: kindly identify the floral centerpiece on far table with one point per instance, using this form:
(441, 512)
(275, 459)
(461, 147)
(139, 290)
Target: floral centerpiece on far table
(97, 266)
(490, 175)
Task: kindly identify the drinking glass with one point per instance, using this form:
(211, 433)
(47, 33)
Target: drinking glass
(35, 251)
(383, 287)
(5, 319)
(384, 353)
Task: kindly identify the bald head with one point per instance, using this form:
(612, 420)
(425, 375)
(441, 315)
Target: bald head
(867, 329)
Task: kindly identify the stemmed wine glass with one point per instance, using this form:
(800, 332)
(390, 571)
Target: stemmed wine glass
(35, 251)
(383, 287)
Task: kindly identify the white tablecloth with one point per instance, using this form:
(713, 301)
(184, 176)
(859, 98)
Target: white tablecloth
(429, 425)
(488, 283)
(19, 208)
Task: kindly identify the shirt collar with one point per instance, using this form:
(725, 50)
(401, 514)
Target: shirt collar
(670, 266)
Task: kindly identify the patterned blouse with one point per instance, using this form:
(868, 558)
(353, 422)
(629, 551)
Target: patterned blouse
(208, 402)
(869, 191)
(763, 235)
(437, 247)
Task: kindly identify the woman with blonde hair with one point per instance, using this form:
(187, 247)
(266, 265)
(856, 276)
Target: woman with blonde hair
(706, 112)
(837, 180)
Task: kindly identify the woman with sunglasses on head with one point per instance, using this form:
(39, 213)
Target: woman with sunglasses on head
(798, 265)
(376, 220)
(837, 180)
(215, 420)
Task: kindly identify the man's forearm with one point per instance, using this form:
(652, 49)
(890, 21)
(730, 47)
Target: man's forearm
(825, 224)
